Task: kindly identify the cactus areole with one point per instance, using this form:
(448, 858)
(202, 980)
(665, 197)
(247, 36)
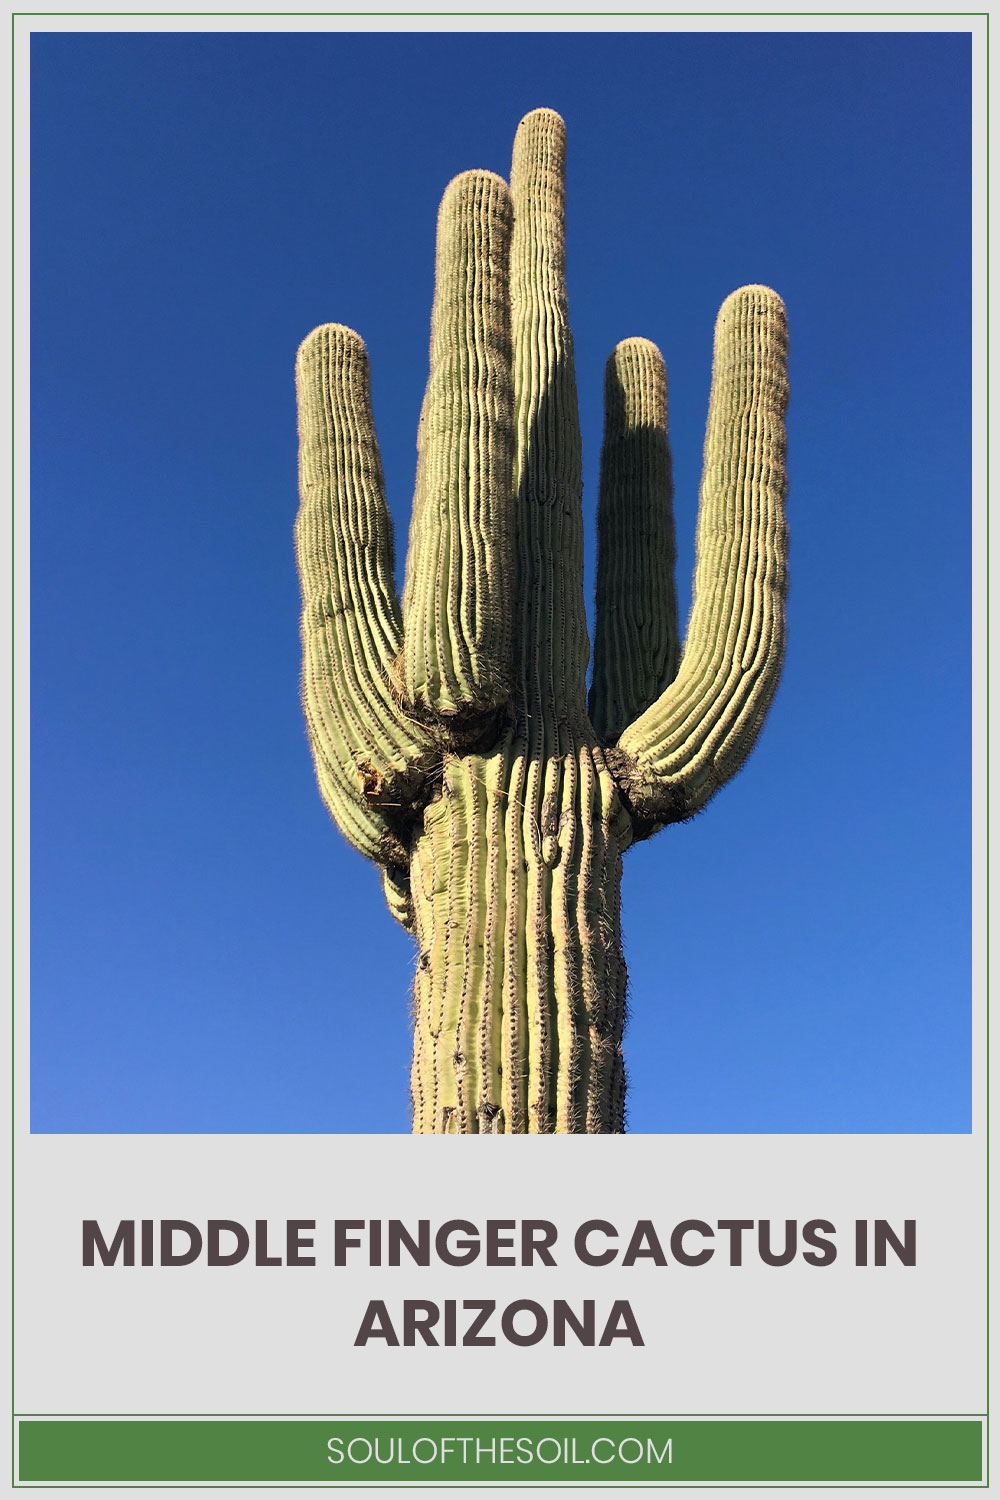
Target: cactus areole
(452, 733)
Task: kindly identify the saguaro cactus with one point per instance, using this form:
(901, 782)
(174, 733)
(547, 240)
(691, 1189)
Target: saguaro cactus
(453, 739)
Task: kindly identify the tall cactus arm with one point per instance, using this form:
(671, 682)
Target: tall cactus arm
(700, 730)
(459, 594)
(370, 756)
(636, 643)
(559, 1031)
(551, 645)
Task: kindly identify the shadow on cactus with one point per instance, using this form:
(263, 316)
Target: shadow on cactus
(452, 734)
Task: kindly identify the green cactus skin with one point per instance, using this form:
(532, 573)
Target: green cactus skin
(637, 644)
(458, 599)
(453, 740)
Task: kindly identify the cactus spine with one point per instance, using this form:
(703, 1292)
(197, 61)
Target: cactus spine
(453, 738)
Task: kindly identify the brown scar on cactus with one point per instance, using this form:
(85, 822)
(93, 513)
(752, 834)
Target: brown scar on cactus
(454, 740)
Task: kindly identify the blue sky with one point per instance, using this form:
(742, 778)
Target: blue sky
(208, 954)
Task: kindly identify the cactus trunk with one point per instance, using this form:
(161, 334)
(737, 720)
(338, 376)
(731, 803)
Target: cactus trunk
(520, 985)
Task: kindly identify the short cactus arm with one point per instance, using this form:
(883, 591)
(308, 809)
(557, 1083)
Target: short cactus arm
(370, 757)
(700, 730)
(636, 642)
(459, 594)
(396, 887)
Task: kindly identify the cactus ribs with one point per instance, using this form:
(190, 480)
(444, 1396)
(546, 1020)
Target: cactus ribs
(452, 734)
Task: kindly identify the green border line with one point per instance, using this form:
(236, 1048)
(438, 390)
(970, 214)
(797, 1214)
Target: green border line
(986, 997)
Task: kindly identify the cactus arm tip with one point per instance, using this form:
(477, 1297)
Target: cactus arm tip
(337, 333)
(537, 123)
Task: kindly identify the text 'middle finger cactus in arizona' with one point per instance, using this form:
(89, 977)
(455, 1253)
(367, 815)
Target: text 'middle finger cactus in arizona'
(453, 737)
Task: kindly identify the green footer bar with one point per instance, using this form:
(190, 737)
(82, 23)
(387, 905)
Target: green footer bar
(347, 1450)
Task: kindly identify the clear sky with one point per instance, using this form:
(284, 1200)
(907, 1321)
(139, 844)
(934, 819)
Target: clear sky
(208, 954)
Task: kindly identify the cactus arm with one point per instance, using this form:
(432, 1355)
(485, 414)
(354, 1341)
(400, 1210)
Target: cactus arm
(636, 643)
(396, 885)
(458, 599)
(551, 645)
(700, 730)
(370, 757)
